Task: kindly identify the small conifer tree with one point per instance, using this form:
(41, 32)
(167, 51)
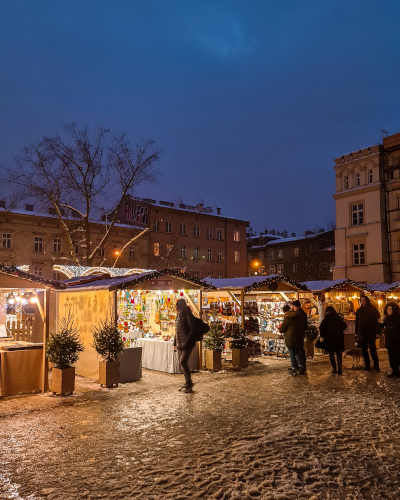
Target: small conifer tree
(107, 339)
(64, 346)
(214, 339)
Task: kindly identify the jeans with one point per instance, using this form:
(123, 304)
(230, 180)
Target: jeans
(369, 344)
(297, 358)
(333, 360)
(185, 354)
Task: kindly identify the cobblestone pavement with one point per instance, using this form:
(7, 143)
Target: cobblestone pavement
(252, 434)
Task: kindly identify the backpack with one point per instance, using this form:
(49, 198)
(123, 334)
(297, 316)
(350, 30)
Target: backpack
(200, 329)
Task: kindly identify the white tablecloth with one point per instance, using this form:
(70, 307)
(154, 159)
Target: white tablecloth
(159, 355)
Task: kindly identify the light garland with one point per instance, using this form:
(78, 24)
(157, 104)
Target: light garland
(14, 271)
(75, 271)
(273, 282)
(340, 285)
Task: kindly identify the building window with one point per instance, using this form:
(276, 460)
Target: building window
(209, 254)
(196, 274)
(38, 270)
(182, 230)
(196, 231)
(271, 255)
(196, 254)
(280, 253)
(295, 268)
(38, 244)
(296, 251)
(56, 276)
(370, 176)
(280, 268)
(249, 257)
(357, 179)
(236, 235)
(236, 275)
(168, 227)
(219, 255)
(272, 269)
(359, 254)
(168, 248)
(219, 234)
(357, 214)
(156, 249)
(261, 255)
(346, 182)
(6, 243)
(209, 274)
(101, 251)
(219, 275)
(131, 252)
(183, 251)
(391, 174)
(157, 226)
(57, 245)
(75, 244)
(209, 233)
(237, 256)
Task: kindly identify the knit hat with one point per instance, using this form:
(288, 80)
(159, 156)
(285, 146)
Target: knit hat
(296, 303)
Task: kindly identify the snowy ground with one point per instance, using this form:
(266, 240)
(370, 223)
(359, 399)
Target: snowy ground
(252, 434)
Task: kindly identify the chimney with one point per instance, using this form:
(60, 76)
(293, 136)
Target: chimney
(293, 235)
(200, 207)
(218, 211)
(272, 232)
(284, 234)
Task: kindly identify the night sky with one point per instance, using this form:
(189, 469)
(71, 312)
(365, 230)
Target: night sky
(251, 100)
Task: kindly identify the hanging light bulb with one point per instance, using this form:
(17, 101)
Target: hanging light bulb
(11, 299)
(33, 300)
(18, 298)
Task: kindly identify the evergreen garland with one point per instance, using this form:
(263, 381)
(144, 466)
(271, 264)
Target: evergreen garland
(312, 331)
(62, 348)
(107, 339)
(214, 340)
(239, 339)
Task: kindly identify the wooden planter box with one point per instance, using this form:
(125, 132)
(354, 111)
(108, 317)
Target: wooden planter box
(108, 373)
(63, 381)
(240, 357)
(213, 360)
(309, 348)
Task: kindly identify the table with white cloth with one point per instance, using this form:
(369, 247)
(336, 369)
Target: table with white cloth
(159, 355)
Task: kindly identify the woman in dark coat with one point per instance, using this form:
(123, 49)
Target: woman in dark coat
(391, 324)
(332, 330)
(367, 328)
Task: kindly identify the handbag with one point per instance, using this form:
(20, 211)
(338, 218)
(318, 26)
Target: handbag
(321, 343)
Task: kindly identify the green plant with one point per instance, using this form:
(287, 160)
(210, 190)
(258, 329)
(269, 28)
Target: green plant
(312, 331)
(64, 346)
(214, 339)
(107, 339)
(239, 339)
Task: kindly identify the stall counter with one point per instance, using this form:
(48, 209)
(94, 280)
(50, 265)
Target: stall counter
(159, 355)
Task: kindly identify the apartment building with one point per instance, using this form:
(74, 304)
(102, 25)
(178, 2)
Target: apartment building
(301, 258)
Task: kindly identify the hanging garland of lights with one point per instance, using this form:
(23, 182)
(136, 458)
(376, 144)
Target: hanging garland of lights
(348, 282)
(273, 283)
(14, 271)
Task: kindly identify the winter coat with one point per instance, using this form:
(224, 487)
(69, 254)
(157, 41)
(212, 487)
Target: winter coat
(184, 330)
(367, 325)
(304, 319)
(292, 327)
(332, 329)
(391, 325)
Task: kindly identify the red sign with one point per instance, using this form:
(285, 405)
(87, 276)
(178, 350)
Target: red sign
(161, 283)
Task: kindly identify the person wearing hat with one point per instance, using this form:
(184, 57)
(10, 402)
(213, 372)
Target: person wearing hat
(296, 306)
(184, 341)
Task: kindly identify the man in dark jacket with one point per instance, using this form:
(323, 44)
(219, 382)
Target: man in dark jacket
(367, 328)
(304, 321)
(294, 339)
(184, 340)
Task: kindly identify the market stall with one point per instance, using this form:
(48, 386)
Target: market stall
(257, 299)
(27, 312)
(144, 310)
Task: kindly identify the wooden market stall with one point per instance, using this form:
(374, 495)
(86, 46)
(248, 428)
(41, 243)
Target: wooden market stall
(144, 309)
(257, 299)
(27, 313)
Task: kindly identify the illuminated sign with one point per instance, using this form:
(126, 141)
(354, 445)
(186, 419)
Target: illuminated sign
(135, 213)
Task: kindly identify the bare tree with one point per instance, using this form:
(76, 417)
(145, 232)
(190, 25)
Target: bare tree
(76, 176)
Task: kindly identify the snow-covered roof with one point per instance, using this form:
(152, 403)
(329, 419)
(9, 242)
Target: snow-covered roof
(176, 206)
(248, 282)
(384, 287)
(296, 238)
(33, 278)
(324, 285)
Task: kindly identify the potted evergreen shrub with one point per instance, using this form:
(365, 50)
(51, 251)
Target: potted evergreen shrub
(311, 334)
(214, 342)
(239, 342)
(108, 343)
(62, 349)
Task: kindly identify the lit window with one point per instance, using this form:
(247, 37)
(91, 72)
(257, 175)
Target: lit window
(38, 244)
(219, 275)
(357, 214)
(168, 227)
(280, 253)
(280, 268)
(346, 182)
(182, 229)
(370, 177)
(209, 233)
(183, 251)
(6, 243)
(196, 254)
(156, 249)
(357, 179)
(38, 270)
(296, 251)
(209, 254)
(57, 245)
(196, 231)
(272, 269)
(237, 256)
(236, 235)
(219, 255)
(271, 255)
(359, 254)
(219, 234)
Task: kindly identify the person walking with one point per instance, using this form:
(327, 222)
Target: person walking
(391, 324)
(184, 340)
(332, 329)
(367, 328)
(294, 339)
(296, 306)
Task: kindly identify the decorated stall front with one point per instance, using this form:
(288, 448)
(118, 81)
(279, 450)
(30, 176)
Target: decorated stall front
(144, 309)
(27, 313)
(257, 299)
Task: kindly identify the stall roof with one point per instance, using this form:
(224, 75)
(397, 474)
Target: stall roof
(119, 282)
(14, 272)
(385, 287)
(249, 283)
(327, 285)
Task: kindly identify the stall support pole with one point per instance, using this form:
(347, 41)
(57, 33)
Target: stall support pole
(46, 331)
(201, 342)
(115, 302)
(242, 307)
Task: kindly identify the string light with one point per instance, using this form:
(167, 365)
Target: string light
(14, 271)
